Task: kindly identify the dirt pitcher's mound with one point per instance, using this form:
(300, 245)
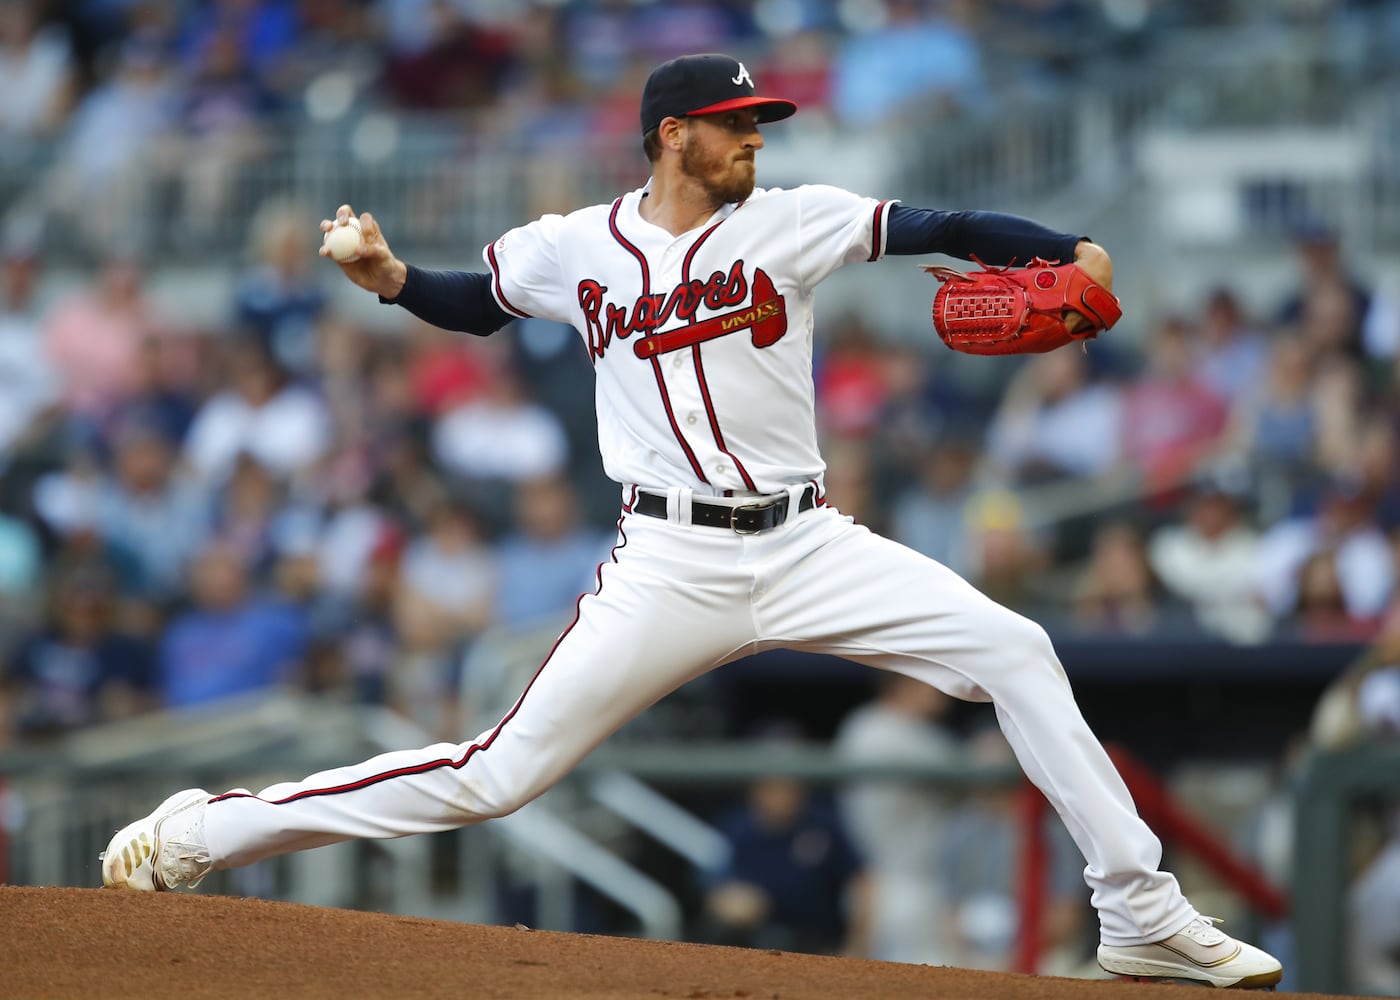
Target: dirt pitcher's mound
(93, 943)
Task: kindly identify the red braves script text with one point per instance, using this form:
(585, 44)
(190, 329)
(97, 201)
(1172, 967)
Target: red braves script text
(648, 313)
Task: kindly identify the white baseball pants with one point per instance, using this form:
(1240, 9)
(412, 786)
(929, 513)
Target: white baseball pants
(677, 600)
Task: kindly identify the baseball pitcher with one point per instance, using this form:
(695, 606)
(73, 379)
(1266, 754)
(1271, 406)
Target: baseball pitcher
(694, 295)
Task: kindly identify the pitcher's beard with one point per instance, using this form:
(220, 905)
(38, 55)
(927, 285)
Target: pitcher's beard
(730, 187)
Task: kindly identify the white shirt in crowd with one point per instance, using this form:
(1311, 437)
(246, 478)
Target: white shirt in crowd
(285, 434)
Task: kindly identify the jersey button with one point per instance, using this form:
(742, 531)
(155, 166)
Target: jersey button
(691, 419)
(721, 469)
(677, 363)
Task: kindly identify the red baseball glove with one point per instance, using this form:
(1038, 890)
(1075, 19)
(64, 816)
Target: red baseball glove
(1022, 311)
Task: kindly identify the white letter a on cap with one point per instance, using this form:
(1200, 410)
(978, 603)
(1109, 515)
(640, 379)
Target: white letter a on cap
(743, 77)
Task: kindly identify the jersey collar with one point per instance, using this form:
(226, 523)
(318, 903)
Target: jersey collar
(632, 214)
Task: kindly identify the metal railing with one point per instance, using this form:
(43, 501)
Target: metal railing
(63, 802)
(1331, 787)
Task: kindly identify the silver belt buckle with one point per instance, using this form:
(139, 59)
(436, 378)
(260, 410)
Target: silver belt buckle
(751, 506)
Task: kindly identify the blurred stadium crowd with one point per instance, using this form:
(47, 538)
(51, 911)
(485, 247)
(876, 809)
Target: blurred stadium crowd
(112, 75)
(293, 497)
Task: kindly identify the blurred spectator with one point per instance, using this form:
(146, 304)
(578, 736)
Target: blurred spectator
(899, 826)
(1337, 401)
(439, 56)
(925, 405)
(1116, 593)
(151, 511)
(1207, 560)
(851, 380)
(1349, 561)
(1380, 332)
(448, 579)
(279, 298)
(550, 559)
(117, 135)
(850, 481)
(981, 871)
(1274, 426)
(1376, 463)
(447, 583)
(386, 393)
(931, 517)
(1171, 418)
(165, 393)
(295, 576)
(502, 437)
(368, 640)
(231, 641)
(260, 35)
(1231, 355)
(612, 115)
(337, 40)
(793, 880)
(262, 413)
(1055, 421)
(95, 336)
(408, 486)
(1321, 612)
(1004, 554)
(598, 40)
(343, 542)
(1330, 304)
(248, 511)
(922, 59)
(20, 573)
(28, 383)
(663, 31)
(339, 368)
(66, 498)
(445, 370)
(78, 669)
(37, 78)
(800, 67)
(220, 120)
(68, 503)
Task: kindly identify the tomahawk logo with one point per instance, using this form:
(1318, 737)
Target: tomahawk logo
(743, 77)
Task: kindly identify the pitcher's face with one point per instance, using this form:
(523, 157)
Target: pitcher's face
(719, 153)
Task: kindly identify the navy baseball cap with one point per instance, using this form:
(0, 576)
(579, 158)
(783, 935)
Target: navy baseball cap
(705, 85)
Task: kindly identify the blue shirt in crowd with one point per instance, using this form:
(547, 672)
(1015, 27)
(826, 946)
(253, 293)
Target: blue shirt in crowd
(210, 655)
(537, 580)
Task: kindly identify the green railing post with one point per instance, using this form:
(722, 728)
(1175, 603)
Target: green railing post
(1330, 785)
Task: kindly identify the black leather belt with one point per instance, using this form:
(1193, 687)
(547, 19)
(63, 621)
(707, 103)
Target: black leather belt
(746, 519)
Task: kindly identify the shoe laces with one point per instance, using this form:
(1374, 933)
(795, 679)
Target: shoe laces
(184, 860)
(1203, 931)
(184, 864)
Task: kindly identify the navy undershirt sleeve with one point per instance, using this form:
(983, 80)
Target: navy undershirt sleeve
(452, 300)
(992, 237)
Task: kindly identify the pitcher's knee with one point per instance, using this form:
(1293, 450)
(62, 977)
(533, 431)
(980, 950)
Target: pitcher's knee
(1027, 645)
(478, 800)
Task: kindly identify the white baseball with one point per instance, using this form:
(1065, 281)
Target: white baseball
(343, 241)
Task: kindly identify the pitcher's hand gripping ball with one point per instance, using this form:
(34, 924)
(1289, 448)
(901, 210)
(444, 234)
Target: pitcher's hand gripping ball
(1029, 310)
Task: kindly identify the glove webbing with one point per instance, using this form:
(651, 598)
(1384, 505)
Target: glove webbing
(983, 314)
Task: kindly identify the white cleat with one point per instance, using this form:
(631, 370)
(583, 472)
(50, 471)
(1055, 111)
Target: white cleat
(1199, 953)
(163, 850)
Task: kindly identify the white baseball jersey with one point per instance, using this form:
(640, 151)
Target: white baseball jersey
(701, 343)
